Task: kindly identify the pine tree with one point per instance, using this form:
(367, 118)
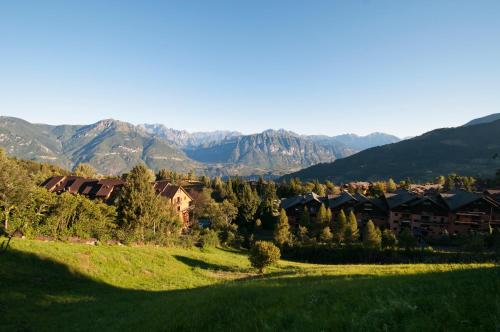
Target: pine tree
(138, 205)
(321, 218)
(328, 216)
(372, 237)
(339, 226)
(391, 186)
(248, 203)
(326, 235)
(282, 232)
(305, 219)
(351, 232)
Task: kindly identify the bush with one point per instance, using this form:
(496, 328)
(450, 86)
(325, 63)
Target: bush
(263, 254)
(388, 239)
(209, 239)
(356, 254)
(475, 242)
(407, 240)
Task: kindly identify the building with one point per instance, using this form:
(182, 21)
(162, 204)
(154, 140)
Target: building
(108, 189)
(294, 206)
(177, 196)
(471, 211)
(427, 215)
(104, 189)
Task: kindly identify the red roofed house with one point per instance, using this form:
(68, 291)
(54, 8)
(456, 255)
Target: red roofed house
(108, 189)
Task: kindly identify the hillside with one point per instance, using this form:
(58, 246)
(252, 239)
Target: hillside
(469, 150)
(49, 286)
(111, 146)
(484, 119)
(356, 143)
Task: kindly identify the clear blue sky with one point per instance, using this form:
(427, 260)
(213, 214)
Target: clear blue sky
(402, 67)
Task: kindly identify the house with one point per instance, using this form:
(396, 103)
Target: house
(104, 189)
(108, 189)
(177, 196)
(294, 206)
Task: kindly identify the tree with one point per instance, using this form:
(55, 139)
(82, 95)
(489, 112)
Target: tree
(138, 205)
(388, 239)
(305, 219)
(321, 218)
(247, 205)
(328, 216)
(391, 186)
(449, 183)
(318, 188)
(163, 174)
(263, 254)
(339, 226)
(372, 237)
(282, 232)
(406, 239)
(405, 184)
(222, 216)
(14, 187)
(303, 234)
(85, 170)
(267, 208)
(351, 231)
(440, 180)
(326, 235)
(379, 188)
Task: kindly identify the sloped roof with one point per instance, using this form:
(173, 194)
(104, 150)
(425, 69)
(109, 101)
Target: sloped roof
(398, 198)
(51, 182)
(434, 200)
(343, 198)
(458, 198)
(300, 199)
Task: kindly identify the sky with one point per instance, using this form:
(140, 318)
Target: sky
(314, 67)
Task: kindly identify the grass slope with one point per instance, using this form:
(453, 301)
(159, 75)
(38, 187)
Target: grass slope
(58, 286)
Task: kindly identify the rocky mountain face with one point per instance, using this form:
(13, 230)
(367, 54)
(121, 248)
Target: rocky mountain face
(472, 150)
(185, 139)
(275, 150)
(114, 147)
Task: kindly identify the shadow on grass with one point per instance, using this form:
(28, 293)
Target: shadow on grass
(39, 294)
(196, 263)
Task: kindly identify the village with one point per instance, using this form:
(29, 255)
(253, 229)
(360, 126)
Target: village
(424, 210)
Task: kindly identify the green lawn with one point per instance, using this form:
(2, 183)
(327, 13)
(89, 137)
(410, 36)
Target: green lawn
(59, 286)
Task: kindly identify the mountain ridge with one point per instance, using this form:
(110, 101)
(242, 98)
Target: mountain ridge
(113, 147)
(468, 150)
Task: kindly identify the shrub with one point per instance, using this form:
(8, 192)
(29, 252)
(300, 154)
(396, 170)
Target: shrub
(388, 239)
(326, 235)
(407, 240)
(209, 239)
(263, 254)
(475, 242)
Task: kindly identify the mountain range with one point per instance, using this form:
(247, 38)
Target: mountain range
(114, 147)
(472, 149)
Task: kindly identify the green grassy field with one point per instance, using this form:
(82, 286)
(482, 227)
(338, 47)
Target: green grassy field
(59, 286)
